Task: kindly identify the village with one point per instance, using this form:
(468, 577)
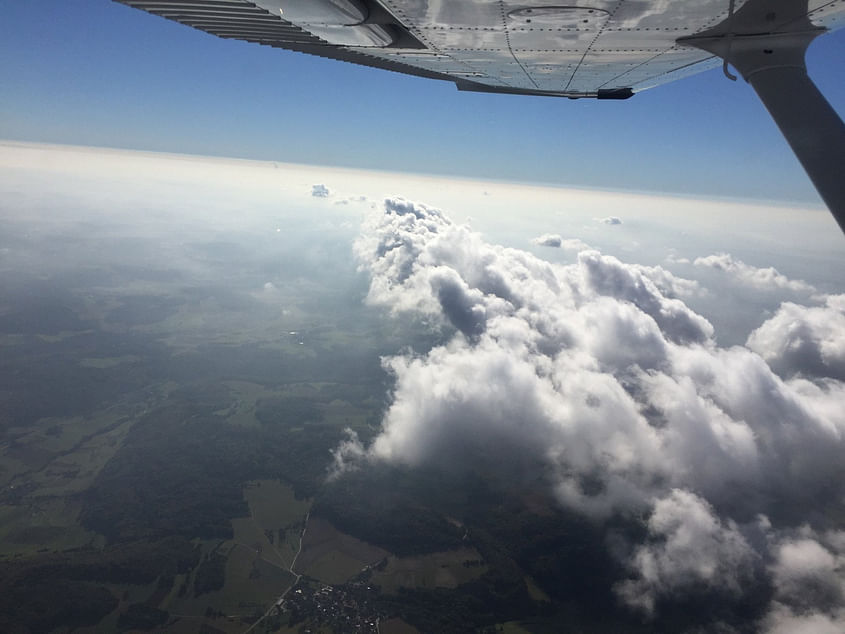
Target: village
(346, 608)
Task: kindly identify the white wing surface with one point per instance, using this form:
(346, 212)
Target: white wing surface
(592, 48)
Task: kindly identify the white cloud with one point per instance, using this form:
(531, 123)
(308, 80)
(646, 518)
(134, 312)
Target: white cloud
(610, 220)
(808, 575)
(782, 620)
(548, 240)
(320, 191)
(598, 376)
(348, 200)
(556, 241)
(669, 284)
(689, 549)
(805, 572)
(760, 278)
(808, 340)
(348, 452)
(574, 244)
(651, 289)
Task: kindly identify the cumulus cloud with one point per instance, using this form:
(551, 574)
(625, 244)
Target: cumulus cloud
(782, 620)
(548, 240)
(349, 451)
(760, 278)
(611, 220)
(808, 574)
(689, 548)
(808, 340)
(349, 199)
(670, 284)
(268, 293)
(674, 259)
(557, 241)
(319, 191)
(574, 244)
(651, 289)
(599, 377)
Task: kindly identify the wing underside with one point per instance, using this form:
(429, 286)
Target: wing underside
(598, 48)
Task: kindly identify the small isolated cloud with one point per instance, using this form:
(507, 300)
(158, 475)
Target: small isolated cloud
(320, 191)
(268, 293)
(611, 220)
(350, 451)
(674, 259)
(556, 241)
(548, 240)
(760, 278)
(349, 200)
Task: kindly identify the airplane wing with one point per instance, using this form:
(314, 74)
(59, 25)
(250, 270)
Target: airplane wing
(607, 49)
(595, 48)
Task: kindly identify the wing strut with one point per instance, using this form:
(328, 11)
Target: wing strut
(811, 126)
(772, 61)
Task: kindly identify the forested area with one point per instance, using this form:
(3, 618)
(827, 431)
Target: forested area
(53, 589)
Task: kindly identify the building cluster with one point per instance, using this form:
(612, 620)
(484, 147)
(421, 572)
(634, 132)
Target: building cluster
(346, 608)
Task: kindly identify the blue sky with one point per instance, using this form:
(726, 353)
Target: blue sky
(98, 73)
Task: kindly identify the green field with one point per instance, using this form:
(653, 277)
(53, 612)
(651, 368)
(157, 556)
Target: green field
(45, 467)
(251, 584)
(446, 569)
(256, 567)
(273, 504)
(334, 557)
(277, 515)
(46, 525)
